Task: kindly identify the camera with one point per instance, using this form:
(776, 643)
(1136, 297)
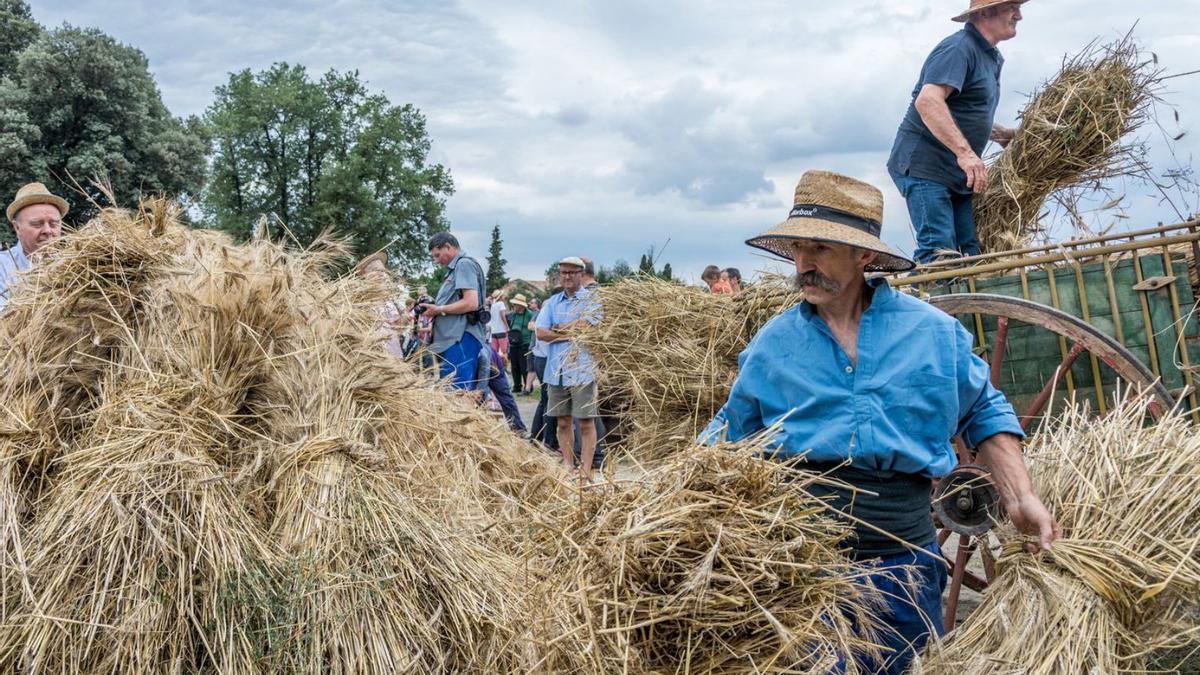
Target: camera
(419, 308)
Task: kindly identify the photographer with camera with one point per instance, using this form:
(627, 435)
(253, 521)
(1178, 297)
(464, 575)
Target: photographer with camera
(459, 320)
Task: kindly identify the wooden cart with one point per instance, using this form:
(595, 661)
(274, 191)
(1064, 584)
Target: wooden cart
(1091, 319)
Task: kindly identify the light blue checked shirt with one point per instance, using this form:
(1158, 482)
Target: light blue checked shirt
(12, 261)
(561, 369)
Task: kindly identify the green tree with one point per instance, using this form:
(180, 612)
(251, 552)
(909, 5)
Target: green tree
(552, 276)
(324, 154)
(496, 278)
(619, 270)
(666, 274)
(18, 30)
(79, 105)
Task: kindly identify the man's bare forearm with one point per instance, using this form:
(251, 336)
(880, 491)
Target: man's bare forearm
(937, 118)
(1002, 454)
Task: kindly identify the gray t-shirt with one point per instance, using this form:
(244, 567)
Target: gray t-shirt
(465, 274)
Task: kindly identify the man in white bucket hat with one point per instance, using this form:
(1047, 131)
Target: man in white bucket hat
(869, 385)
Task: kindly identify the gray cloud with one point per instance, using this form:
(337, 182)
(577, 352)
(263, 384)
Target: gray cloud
(608, 126)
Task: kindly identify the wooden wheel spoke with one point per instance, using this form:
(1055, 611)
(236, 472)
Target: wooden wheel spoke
(998, 349)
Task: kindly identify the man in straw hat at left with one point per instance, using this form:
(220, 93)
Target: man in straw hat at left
(36, 216)
(869, 385)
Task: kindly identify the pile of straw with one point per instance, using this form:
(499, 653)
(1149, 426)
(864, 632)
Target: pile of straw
(666, 355)
(207, 463)
(717, 562)
(1070, 139)
(1123, 579)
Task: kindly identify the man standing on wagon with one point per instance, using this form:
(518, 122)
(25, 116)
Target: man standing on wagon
(935, 160)
(869, 385)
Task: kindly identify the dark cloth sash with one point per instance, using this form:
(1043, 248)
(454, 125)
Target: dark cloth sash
(871, 227)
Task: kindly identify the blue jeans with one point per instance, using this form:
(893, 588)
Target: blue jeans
(461, 361)
(944, 219)
(498, 384)
(913, 606)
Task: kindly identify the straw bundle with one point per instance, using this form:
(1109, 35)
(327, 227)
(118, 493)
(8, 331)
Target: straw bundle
(1070, 139)
(1120, 582)
(717, 562)
(211, 465)
(667, 356)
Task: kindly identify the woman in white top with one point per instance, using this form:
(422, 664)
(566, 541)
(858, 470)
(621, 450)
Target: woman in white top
(393, 314)
(499, 326)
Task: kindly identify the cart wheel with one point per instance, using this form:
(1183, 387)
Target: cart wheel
(1083, 337)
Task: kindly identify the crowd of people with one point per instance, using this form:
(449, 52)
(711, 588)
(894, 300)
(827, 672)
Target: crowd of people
(475, 340)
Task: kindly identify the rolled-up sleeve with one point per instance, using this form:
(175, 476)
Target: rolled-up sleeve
(983, 411)
(741, 415)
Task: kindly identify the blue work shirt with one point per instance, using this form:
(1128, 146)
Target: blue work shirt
(12, 261)
(561, 369)
(917, 384)
(970, 65)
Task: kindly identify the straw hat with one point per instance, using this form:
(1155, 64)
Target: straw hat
(977, 5)
(36, 193)
(362, 265)
(519, 299)
(836, 208)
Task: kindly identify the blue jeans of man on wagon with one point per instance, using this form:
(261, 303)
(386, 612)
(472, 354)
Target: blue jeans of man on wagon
(910, 584)
(944, 219)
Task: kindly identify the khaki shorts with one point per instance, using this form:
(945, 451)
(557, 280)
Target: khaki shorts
(578, 402)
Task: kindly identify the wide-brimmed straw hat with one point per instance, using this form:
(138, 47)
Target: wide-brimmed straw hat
(519, 299)
(36, 193)
(831, 207)
(977, 5)
(362, 265)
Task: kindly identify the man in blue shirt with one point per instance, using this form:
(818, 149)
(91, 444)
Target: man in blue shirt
(870, 385)
(935, 160)
(36, 217)
(569, 373)
(459, 330)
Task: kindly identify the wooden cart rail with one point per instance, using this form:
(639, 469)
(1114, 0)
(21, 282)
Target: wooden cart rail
(1137, 287)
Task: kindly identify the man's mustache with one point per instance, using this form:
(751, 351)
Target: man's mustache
(815, 278)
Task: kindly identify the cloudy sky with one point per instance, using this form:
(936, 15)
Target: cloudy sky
(606, 127)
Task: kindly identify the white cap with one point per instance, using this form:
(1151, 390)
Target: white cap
(572, 260)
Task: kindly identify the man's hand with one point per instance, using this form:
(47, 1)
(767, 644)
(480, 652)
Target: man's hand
(976, 171)
(431, 309)
(1031, 517)
(1002, 136)
(1002, 454)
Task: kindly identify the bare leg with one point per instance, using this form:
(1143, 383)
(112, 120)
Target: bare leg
(587, 436)
(566, 442)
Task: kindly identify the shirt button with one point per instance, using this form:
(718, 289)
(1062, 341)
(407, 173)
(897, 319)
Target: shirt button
(849, 369)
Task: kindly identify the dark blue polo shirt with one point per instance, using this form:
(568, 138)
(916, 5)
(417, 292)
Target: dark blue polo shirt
(970, 65)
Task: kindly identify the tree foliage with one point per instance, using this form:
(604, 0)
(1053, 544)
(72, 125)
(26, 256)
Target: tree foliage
(75, 105)
(496, 278)
(322, 154)
(18, 30)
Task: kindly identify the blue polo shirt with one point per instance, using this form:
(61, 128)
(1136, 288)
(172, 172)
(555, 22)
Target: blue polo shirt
(970, 65)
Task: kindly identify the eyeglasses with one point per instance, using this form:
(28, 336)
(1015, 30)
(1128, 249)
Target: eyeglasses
(569, 272)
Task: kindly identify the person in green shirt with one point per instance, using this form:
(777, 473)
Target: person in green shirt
(520, 338)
